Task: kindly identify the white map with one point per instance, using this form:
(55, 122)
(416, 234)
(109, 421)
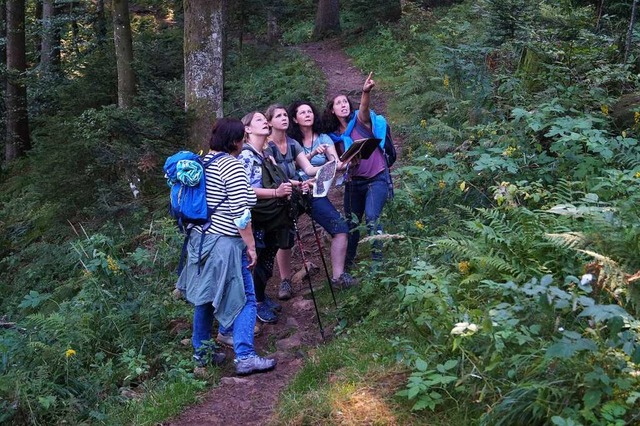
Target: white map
(324, 179)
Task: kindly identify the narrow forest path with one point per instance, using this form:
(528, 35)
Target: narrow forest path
(251, 400)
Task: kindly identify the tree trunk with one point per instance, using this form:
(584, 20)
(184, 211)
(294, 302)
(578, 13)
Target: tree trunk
(273, 33)
(599, 10)
(124, 53)
(18, 141)
(36, 38)
(203, 72)
(3, 76)
(100, 23)
(50, 47)
(327, 19)
(632, 22)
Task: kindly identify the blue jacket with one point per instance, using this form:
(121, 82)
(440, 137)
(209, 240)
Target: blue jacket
(378, 125)
(220, 280)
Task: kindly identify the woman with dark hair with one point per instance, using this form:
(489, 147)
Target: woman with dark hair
(216, 277)
(367, 184)
(319, 149)
(254, 153)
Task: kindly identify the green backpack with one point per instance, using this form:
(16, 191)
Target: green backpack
(272, 213)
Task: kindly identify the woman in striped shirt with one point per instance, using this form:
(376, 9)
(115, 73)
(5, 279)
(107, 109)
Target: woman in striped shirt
(216, 277)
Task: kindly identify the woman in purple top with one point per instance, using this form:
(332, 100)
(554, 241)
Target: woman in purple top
(367, 184)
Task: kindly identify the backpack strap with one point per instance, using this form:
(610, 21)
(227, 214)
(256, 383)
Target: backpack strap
(212, 159)
(255, 154)
(206, 226)
(289, 163)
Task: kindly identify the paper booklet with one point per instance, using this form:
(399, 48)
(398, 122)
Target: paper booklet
(364, 147)
(324, 179)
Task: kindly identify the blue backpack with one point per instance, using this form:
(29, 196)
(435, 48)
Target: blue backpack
(188, 199)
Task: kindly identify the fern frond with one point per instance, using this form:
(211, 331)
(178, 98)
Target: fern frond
(628, 159)
(607, 261)
(570, 240)
(497, 264)
(473, 278)
(564, 192)
(38, 346)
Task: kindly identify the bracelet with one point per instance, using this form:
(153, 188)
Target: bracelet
(275, 193)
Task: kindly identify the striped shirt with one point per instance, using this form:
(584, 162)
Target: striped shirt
(226, 176)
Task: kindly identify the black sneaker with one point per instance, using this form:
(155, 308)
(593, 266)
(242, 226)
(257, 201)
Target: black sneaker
(254, 364)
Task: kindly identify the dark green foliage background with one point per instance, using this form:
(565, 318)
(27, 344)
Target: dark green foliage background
(514, 180)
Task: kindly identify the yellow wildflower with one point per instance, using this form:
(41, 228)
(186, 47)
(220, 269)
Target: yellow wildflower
(419, 225)
(637, 175)
(442, 185)
(604, 109)
(464, 267)
(423, 123)
(636, 117)
(112, 264)
(69, 353)
(445, 81)
(509, 151)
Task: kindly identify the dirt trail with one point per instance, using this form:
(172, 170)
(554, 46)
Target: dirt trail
(251, 400)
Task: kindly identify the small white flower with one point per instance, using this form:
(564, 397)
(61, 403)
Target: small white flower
(560, 329)
(459, 328)
(464, 329)
(586, 279)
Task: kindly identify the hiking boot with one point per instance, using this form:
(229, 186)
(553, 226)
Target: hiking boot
(275, 307)
(344, 281)
(215, 358)
(286, 291)
(265, 314)
(254, 364)
(225, 339)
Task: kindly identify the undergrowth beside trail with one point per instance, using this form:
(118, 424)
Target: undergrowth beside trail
(511, 298)
(514, 293)
(91, 332)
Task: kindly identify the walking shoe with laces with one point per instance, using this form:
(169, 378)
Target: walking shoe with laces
(225, 339)
(286, 290)
(265, 314)
(275, 307)
(254, 364)
(344, 281)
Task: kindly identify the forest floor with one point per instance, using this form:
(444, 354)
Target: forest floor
(251, 400)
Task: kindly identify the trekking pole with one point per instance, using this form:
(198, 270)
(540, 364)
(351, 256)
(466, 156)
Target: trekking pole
(306, 268)
(324, 262)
